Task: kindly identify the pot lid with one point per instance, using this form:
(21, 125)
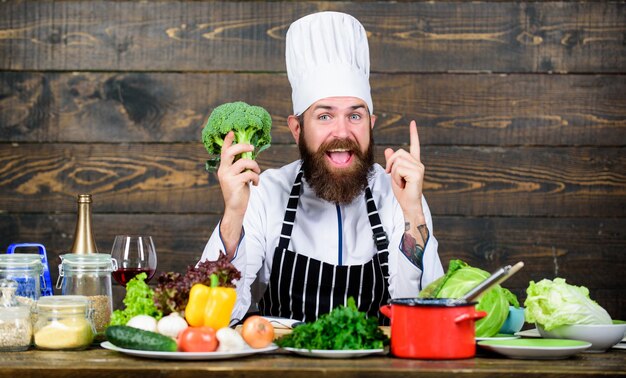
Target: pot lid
(435, 302)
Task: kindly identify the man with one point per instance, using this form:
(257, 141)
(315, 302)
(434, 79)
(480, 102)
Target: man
(334, 224)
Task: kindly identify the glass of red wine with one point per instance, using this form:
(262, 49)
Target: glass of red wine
(134, 254)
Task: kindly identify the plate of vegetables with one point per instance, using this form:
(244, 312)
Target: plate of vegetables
(187, 317)
(217, 355)
(193, 343)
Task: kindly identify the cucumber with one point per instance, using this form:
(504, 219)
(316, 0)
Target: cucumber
(134, 338)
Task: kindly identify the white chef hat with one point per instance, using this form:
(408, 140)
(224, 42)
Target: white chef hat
(327, 55)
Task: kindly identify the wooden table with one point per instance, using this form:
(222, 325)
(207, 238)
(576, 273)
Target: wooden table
(97, 362)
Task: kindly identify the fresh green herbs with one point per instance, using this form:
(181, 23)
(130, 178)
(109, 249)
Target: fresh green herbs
(138, 301)
(344, 328)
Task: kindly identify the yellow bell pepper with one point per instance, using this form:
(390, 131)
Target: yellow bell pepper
(210, 306)
(194, 311)
(219, 307)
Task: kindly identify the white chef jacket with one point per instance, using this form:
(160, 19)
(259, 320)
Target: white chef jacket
(336, 234)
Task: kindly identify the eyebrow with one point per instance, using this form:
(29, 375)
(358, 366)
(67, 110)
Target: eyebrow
(328, 107)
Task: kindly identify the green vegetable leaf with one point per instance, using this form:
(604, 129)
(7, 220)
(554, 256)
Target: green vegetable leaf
(510, 297)
(138, 301)
(432, 290)
(344, 328)
(212, 164)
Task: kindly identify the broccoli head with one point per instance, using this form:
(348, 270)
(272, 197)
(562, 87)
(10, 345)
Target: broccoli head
(251, 125)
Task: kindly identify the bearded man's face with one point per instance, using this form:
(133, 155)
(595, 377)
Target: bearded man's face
(338, 169)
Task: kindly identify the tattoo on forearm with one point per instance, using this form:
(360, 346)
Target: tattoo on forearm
(410, 247)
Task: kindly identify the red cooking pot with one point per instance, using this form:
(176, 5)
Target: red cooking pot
(437, 329)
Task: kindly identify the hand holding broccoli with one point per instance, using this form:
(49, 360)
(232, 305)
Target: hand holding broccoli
(234, 135)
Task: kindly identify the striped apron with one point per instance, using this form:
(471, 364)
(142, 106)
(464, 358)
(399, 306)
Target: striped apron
(304, 288)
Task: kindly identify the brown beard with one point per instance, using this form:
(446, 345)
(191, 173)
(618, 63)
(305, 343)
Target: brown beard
(339, 186)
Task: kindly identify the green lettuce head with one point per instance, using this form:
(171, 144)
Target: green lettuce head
(555, 303)
(459, 280)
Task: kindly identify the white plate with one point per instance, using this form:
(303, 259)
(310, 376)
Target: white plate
(335, 353)
(619, 346)
(499, 336)
(282, 322)
(536, 349)
(188, 355)
(533, 332)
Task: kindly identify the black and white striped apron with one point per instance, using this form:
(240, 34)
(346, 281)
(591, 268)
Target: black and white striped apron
(304, 288)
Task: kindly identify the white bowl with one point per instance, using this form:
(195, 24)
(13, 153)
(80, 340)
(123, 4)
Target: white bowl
(601, 336)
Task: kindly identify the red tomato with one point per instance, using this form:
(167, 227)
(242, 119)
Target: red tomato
(257, 331)
(197, 339)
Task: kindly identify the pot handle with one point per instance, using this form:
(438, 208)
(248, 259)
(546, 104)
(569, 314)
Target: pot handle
(474, 316)
(386, 310)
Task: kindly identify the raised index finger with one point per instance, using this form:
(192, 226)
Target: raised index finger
(415, 141)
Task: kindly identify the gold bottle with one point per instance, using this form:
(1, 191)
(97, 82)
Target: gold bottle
(84, 242)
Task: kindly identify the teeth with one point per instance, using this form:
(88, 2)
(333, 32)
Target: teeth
(339, 150)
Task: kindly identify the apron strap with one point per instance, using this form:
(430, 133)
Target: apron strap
(382, 244)
(380, 236)
(290, 212)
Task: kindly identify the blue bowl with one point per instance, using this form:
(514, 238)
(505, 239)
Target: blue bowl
(514, 321)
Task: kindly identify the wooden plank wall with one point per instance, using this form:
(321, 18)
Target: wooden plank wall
(521, 108)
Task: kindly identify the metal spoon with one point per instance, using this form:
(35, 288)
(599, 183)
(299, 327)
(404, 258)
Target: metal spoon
(497, 277)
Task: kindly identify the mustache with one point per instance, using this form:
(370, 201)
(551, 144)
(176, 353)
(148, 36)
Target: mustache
(345, 144)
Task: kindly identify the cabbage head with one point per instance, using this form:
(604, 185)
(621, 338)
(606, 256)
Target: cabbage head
(459, 280)
(556, 303)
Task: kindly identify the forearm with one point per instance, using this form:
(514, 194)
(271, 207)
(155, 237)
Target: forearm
(414, 239)
(231, 229)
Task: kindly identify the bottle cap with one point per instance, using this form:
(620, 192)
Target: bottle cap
(84, 198)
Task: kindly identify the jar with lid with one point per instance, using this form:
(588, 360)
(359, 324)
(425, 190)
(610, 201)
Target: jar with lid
(63, 322)
(15, 320)
(26, 269)
(90, 276)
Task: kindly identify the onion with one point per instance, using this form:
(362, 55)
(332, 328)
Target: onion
(145, 322)
(171, 325)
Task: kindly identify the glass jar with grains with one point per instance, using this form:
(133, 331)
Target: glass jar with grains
(89, 275)
(63, 322)
(26, 269)
(15, 321)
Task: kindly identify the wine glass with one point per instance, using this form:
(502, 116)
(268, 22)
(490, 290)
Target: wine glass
(134, 254)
